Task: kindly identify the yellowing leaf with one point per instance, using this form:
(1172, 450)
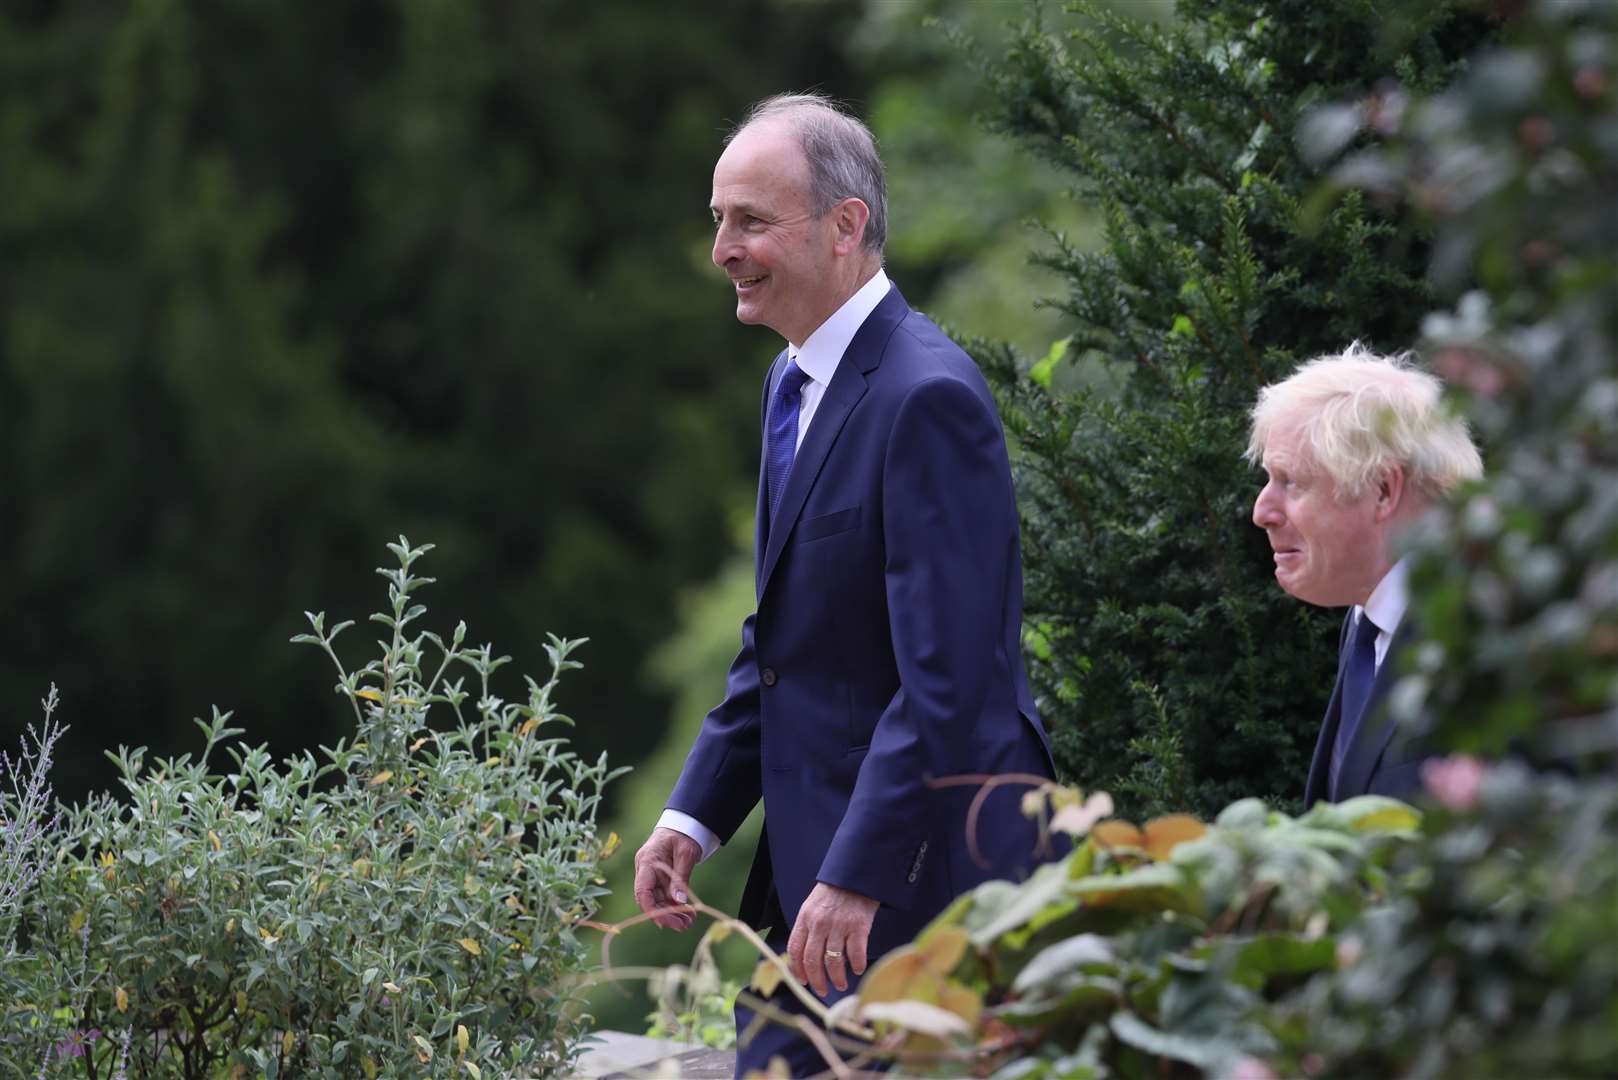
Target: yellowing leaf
(382, 777)
(903, 973)
(463, 1039)
(241, 1001)
(492, 762)
(471, 946)
(766, 977)
(943, 947)
(369, 695)
(610, 846)
(1116, 834)
(477, 1073)
(76, 923)
(213, 840)
(418, 744)
(1164, 834)
(528, 725)
(1388, 819)
(424, 1051)
(960, 1000)
(393, 988)
(121, 996)
(286, 1043)
(230, 926)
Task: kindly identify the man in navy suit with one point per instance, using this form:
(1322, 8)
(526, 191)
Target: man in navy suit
(1357, 447)
(885, 650)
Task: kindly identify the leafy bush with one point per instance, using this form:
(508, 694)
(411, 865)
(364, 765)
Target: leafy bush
(25, 816)
(1147, 952)
(1497, 959)
(405, 907)
(1172, 670)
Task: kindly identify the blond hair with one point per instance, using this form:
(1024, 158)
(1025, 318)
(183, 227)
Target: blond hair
(1360, 414)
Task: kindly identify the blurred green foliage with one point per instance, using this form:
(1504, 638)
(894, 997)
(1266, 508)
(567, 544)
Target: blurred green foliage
(1171, 669)
(280, 282)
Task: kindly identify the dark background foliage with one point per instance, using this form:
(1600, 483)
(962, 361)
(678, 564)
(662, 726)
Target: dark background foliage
(282, 282)
(1173, 671)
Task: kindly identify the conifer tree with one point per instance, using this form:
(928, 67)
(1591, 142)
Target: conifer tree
(1170, 667)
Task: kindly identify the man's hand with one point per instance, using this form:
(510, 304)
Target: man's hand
(662, 868)
(829, 938)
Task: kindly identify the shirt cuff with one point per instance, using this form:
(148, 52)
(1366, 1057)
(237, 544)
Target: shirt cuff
(690, 826)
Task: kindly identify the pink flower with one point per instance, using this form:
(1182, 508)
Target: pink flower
(1454, 781)
(1076, 820)
(1251, 1068)
(75, 1044)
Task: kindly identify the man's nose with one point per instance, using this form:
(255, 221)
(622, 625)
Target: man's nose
(1265, 512)
(724, 247)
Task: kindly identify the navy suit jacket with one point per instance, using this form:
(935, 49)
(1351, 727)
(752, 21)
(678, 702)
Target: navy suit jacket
(1383, 759)
(885, 648)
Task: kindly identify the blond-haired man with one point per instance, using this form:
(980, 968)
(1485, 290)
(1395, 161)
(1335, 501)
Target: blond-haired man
(1356, 447)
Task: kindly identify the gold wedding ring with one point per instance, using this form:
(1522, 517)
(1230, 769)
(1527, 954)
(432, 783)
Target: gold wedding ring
(833, 954)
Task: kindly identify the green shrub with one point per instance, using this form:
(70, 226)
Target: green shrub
(1148, 951)
(405, 907)
(1496, 960)
(1172, 670)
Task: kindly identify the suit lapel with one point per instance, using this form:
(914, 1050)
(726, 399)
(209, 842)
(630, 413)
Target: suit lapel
(848, 385)
(1318, 786)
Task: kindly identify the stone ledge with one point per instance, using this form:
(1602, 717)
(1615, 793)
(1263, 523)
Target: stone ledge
(617, 1055)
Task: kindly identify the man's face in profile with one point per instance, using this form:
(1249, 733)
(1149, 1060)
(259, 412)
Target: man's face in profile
(1328, 549)
(767, 238)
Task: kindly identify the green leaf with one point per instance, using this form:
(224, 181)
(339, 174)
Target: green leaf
(1041, 371)
(1205, 1053)
(1065, 958)
(997, 910)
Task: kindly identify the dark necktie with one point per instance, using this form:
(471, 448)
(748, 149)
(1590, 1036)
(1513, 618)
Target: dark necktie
(1358, 676)
(781, 440)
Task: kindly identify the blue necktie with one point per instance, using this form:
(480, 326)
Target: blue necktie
(781, 440)
(1357, 679)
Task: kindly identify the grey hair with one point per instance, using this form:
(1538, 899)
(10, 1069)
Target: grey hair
(841, 152)
(1360, 413)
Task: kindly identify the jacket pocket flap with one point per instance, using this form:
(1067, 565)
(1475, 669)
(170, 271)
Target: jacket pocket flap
(826, 524)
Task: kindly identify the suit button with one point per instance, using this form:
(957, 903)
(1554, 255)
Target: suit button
(768, 676)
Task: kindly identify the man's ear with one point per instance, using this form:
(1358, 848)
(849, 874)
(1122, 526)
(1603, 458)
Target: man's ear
(848, 219)
(1390, 492)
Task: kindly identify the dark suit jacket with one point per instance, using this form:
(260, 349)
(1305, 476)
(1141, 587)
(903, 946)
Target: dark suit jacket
(885, 648)
(1383, 759)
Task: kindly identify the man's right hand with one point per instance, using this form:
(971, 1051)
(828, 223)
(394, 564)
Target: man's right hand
(662, 869)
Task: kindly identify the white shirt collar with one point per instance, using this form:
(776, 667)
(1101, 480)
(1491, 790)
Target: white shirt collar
(1387, 603)
(823, 351)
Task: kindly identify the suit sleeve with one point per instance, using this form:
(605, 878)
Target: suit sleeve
(949, 526)
(721, 781)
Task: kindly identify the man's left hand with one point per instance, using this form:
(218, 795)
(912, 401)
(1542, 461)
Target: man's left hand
(829, 938)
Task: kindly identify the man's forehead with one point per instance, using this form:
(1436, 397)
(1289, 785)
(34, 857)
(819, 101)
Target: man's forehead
(1286, 448)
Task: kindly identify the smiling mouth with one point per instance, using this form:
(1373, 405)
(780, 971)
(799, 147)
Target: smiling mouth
(748, 282)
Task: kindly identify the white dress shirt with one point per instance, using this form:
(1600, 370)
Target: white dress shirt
(817, 358)
(1386, 605)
